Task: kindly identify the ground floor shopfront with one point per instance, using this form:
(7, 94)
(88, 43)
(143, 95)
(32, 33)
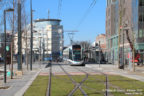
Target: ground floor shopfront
(125, 55)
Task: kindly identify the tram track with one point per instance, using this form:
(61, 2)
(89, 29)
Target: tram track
(106, 79)
(88, 74)
(107, 83)
(77, 85)
(84, 69)
(48, 93)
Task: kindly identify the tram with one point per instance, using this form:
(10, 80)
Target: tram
(74, 55)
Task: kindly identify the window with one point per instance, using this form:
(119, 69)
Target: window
(141, 2)
(140, 33)
(141, 18)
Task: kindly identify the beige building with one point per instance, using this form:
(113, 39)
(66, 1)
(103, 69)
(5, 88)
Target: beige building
(102, 40)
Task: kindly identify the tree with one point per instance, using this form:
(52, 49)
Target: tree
(84, 44)
(5, 4)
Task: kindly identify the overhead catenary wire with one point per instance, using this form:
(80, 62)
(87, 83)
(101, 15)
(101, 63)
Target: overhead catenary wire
(92, 5)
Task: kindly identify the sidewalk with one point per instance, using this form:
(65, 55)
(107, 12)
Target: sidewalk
(18, 85)
(113, 69)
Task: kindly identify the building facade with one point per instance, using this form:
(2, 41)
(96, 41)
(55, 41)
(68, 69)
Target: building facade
(102, 40)
(47, 39)
(52, 33)
(124, 29)
(112, 30)
(101, 47)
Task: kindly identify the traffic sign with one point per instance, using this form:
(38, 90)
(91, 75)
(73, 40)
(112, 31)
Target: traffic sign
(7, 48)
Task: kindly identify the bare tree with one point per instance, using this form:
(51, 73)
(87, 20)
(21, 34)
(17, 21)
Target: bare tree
(84, 44)
(12, 20)
(4, 4)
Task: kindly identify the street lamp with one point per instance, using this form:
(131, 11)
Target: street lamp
(40, 56)
(31, 49)
(7, 10)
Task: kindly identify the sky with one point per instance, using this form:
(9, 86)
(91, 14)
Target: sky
(71, 14)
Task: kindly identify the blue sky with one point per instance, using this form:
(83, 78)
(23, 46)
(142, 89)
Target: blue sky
(72, 11)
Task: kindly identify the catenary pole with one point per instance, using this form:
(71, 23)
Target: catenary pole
(12, 43)
(19, 37)
(31, 57)
(5, 47)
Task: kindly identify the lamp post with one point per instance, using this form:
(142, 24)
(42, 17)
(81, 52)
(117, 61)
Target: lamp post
(8, 10)
(31, 49)
(123, 52)
(12, 43)
(40, 57)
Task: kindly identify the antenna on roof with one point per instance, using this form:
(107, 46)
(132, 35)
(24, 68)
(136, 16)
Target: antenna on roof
(48, 14)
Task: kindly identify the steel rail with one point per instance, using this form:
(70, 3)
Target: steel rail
(48, 93)
(80, 84)
(77, 85)
(106, 80)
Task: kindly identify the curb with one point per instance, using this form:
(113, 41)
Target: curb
(23, 90)
(89, 66)
(136, 77)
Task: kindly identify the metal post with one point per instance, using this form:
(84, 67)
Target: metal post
(133, 52)
(40, 52)
(19, 37)
(26, 50)
(5, 47)
(31, 36)
(12, 44)
(99, 54)
(43, 49)
(119, 32)
(47, 45)
(123, 50)
(43, 45)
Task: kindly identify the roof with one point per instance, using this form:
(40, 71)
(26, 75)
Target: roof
(42, 20)
(101, 35)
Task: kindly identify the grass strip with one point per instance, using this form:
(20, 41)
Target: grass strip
(38, 87)
(93, 86)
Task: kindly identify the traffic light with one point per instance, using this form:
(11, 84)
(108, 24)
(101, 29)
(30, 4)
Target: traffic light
(7, 48)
